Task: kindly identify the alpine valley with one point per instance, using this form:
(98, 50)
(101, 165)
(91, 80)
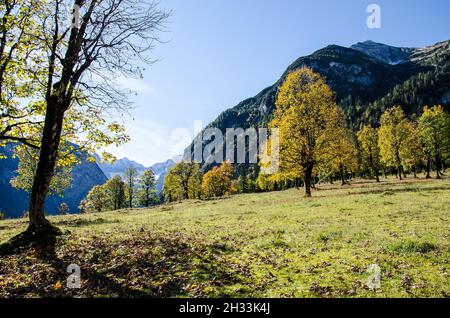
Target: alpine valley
(367, 77)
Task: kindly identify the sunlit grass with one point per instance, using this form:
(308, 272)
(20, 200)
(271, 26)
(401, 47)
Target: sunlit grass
(277, 244)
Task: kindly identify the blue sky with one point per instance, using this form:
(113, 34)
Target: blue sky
(219, 52)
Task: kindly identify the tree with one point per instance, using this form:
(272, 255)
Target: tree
(182, 182)
(77, 65)
(110, 196)
(391, 136)
(217, 182)
(63, 209)
(115, 193)
(308, 118)
(263, 182)
(242, 182)
(96, 200)
(62, 175)
(370, 152)
(172, 189)
(343, 154)
(20, 69)
(130, 176)
(147, 184)
(434, 127)
(411, 150)
(85, 206)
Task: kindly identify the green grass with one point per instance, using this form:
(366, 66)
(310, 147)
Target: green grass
(276, 244)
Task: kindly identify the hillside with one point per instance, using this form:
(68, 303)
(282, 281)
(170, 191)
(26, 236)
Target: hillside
(258, 245)
(14, 202)
(367, 78)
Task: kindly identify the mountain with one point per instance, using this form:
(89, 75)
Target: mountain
(367, 78)
(120, 165)
(14, 202)
(160, 170)
(384, 53)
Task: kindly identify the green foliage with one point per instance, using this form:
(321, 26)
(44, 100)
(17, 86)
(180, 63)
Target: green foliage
(434, 130)
(182, 182)
(96, 200)
(110, 196)
(24, 67)
(242, 183)
(147, 194)
(28, 159)
(115, 192)
(130, 176)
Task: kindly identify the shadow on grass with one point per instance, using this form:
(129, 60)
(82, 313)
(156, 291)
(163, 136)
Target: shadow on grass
(393, 190)
(28, 239)
(144, 266)
(84, 222)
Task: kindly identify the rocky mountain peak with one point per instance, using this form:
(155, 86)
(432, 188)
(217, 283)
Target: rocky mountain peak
(384, 53)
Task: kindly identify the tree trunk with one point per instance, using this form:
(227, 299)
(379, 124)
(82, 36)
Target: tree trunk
(307, 180)
(147, 196)
(415, 172)
(341, 172)
(428, 168)
(51, 138)
(438, 167)
(399, 172)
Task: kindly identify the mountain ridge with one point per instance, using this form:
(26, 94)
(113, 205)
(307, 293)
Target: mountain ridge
(119, 166)
(360, 81)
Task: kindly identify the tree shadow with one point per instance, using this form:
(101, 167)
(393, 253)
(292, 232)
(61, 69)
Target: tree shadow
(145, 266)
(27, 240)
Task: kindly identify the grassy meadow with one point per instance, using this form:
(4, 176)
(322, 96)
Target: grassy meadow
(277, 244)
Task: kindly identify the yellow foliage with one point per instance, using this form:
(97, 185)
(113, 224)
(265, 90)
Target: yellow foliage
(311, 126)
(217, 182)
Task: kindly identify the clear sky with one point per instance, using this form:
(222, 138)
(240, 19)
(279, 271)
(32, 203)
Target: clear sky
(219, 52)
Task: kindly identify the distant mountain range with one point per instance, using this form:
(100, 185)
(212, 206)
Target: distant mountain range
(14, 202)
(368, 77)
(120, 165)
